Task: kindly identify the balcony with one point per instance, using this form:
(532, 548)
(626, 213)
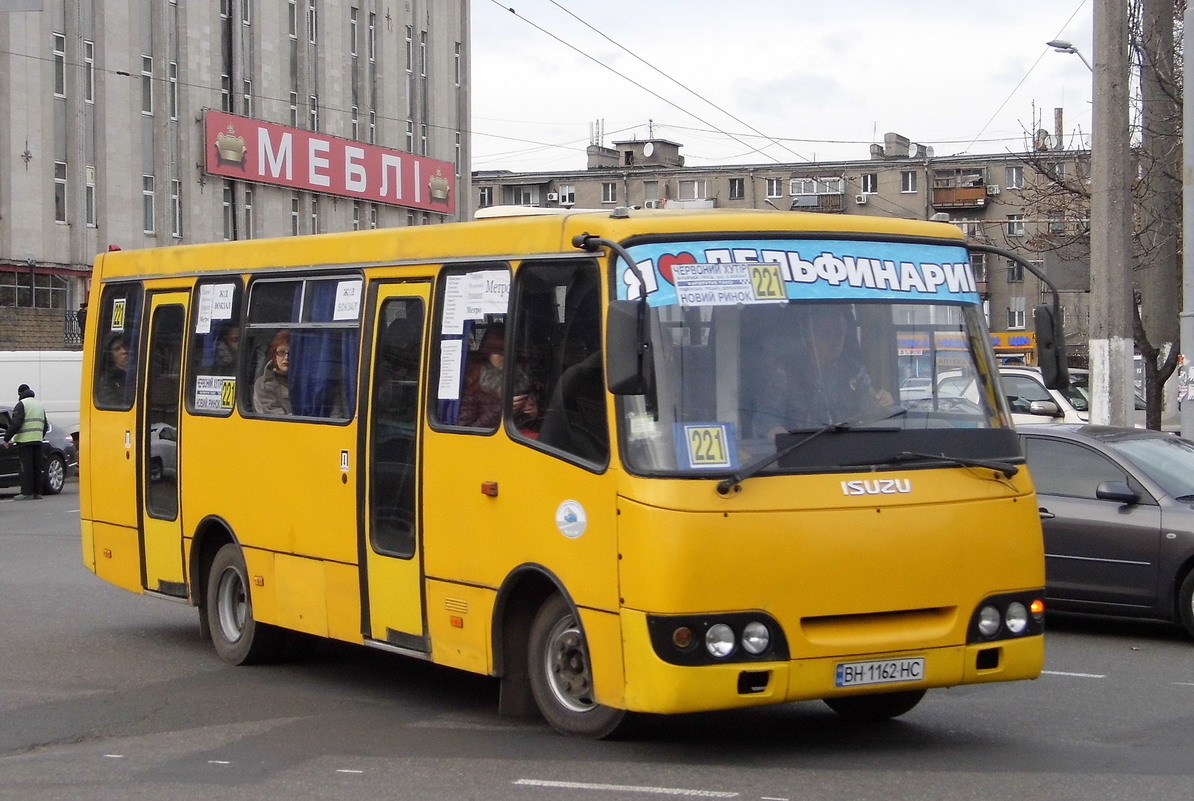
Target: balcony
(959, 197)
(828, 203)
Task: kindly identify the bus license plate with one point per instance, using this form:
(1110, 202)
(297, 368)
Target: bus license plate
(882, 671)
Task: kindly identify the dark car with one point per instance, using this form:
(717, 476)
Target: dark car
(59, 458)
(1117, 509)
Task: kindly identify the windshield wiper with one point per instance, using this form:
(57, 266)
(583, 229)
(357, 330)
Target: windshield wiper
(727, 485)
(1007, 468)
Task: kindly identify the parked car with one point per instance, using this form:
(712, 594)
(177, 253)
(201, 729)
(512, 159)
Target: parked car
(1117, 510)
(1030, 402)
(59, 458)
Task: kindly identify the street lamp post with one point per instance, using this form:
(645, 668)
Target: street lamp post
(1062, 46)
(1112, 343)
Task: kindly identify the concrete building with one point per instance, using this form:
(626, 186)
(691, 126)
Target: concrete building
(1014, 201)
(148, 123)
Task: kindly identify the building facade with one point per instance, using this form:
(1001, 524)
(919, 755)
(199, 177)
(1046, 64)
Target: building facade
(149, 123)
(1014, 201)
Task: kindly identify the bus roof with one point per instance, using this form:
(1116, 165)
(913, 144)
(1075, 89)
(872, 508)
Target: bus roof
(511, 234)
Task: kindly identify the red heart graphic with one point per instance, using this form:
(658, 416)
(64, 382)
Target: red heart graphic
(666, 262)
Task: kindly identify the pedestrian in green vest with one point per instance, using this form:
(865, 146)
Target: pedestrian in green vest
(26, 429)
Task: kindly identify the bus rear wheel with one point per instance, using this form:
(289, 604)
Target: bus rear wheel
(238, 637)
(880, 706)
(561, 675)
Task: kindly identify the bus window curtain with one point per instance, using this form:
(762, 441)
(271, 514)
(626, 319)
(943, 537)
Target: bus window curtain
(323, 363)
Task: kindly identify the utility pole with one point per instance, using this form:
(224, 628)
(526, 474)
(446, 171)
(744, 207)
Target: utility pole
(1187, 315)
(1111, 257)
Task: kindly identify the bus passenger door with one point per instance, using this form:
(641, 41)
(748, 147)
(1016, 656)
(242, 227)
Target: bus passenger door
(162, 530)
(391, 543)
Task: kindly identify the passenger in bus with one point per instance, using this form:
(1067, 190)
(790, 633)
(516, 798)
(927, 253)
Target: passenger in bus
(110, 390)
(228, 346)
(271, 390)
(481, 401)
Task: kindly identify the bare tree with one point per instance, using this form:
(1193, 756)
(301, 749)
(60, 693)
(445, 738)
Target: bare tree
(1059, 199)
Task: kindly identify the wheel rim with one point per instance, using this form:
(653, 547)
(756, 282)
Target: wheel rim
(55, 475)
(567, 667)
(233, 604)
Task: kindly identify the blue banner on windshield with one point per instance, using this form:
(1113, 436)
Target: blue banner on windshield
(727, 272)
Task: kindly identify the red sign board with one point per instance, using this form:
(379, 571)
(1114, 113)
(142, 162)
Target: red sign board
(246, 149)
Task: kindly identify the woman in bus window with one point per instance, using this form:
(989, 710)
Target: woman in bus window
(271, 391)
(481, 402)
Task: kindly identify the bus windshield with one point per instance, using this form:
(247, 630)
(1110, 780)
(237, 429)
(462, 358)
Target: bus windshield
(735, 382)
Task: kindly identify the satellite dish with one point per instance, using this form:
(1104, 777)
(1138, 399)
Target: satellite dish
(1043, 140)
(648, 149)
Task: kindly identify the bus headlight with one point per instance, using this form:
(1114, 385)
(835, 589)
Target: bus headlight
(719, 640)
(755, 638)
(1016, 617)
(988, 621)
(1007, 616)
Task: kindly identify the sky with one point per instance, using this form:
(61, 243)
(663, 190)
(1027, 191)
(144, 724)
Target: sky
(772, 81)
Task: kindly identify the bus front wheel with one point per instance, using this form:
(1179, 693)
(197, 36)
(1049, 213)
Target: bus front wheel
(875, 707)
(561, 675)
(238, 637)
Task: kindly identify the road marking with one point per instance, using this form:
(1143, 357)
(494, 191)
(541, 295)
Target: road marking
(113, 756)
(218, 762)
(626, 788)
(1074, 675)
(348, 770)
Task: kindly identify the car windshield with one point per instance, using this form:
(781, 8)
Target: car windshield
(735, 382)
(1167, 460)
(1078, 392)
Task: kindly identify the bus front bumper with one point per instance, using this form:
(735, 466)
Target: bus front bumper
(653, 685)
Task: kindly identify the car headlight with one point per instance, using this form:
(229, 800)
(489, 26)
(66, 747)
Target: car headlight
(719, 640)
(1016, 618)
(755, 638)
(988, 621)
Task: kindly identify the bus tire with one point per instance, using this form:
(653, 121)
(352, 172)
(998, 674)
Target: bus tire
(880, 706)
(561, 675)
(238, 637)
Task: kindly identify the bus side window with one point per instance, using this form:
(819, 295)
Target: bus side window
(559, 321)
(215, 346)
(301, 337)
(470, 346)
(116, 362)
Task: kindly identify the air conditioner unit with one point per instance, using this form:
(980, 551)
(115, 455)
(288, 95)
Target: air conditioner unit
(992, 189)
(553, 196)
(860, 200)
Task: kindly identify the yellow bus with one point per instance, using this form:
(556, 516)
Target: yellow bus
(625, 461)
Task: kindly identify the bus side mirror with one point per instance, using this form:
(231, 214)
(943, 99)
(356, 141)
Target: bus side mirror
(1050, 348)
(624, 352)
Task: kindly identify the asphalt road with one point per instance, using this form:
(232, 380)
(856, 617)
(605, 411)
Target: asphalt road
(108, 695)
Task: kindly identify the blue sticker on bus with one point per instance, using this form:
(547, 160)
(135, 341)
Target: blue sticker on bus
(746, 271)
